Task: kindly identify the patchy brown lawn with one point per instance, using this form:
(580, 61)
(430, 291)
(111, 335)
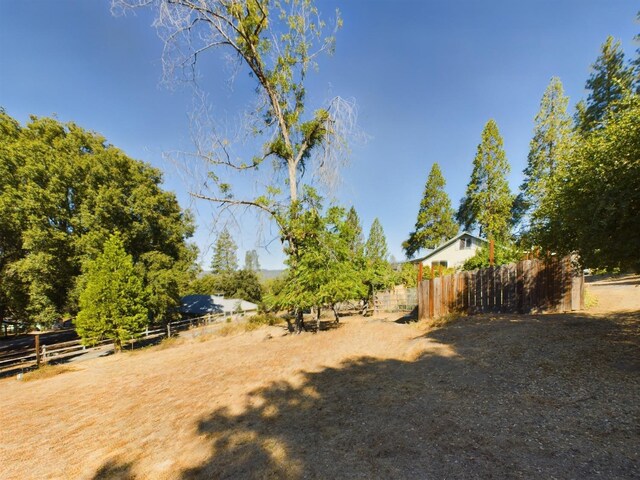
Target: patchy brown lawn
(552, 396)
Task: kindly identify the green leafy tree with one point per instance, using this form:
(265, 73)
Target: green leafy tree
(610, 81)
(112, 303)
(488, 200)
(378, 274)
(551, 143)
(594, 210)
(63, 191)
(225, 257)
(435, 222)
(407, 275)
(326, 269)
(276, 43)
(242, 284)
(251, 261)
(636, 62)
(502, 255)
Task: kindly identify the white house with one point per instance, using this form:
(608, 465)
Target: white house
(454, 252)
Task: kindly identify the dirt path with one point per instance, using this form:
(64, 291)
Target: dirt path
(614, 293)
(485, 397)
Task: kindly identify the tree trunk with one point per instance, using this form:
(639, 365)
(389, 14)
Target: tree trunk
(290, 326)
(299, 320)
(318, 319)
(335, 312)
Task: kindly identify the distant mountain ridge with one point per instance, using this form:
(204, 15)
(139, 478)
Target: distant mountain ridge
(269, 274)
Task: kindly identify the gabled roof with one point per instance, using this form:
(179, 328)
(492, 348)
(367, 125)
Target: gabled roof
(444, 245)
(205, 304)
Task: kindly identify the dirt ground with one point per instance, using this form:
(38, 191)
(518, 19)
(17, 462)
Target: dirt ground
(543, 396)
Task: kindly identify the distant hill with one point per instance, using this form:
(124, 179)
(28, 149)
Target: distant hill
(269, 274)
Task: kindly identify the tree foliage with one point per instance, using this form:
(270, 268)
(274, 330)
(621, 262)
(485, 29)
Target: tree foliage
(595, 208)
(609, 82)
(488, 200)
(378, 274)
(112, 303)
(276, 43)
(252, 261)
(225, 254)
(435, 222)
(243, 284)
(63, 190)
(326, 268)
(551, 144)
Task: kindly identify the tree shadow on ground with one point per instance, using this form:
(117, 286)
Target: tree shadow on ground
(551, 396)
(113, 470)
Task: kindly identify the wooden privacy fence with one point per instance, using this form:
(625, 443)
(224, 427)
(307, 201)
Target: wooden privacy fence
(529, 286)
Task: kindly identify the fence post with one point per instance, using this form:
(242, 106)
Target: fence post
(168, 330)
(37, 350)
(44, 354)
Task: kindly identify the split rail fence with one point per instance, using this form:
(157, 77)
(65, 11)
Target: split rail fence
(529, 286)
(27, 358)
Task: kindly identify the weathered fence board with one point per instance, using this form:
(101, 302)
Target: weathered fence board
(551, 285)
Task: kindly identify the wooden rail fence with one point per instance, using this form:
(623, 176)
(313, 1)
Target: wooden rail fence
(27, 358)
(529, 286)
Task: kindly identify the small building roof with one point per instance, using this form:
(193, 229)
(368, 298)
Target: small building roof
(212, 304)
(444, 245)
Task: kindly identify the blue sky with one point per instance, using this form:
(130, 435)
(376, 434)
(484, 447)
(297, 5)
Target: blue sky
(426, 77)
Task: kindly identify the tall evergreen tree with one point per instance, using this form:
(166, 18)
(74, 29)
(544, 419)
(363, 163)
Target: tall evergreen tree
(435, 222)
(488, 200)
(112, 303)
(251, 261)
(225, 258)
(353, 230)
(552, 139)
(608, 83)
(378, 273)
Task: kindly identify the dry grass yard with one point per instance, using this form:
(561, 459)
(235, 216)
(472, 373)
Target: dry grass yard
(552, 396)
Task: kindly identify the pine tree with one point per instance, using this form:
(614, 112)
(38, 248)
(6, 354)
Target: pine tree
(488, 200)
(353, 230)
(610, 79)
(435, 222)
(225, 259)
(112, 303)
(552, 139)
(378, 274)
(251, 261)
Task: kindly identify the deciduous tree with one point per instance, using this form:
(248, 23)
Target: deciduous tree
(276, 43)
(63, 191)
(594, 210)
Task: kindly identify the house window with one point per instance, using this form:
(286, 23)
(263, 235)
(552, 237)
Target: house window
(465, 243)
(440, 263)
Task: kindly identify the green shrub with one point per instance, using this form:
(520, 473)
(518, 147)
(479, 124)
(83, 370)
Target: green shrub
(264, 319)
